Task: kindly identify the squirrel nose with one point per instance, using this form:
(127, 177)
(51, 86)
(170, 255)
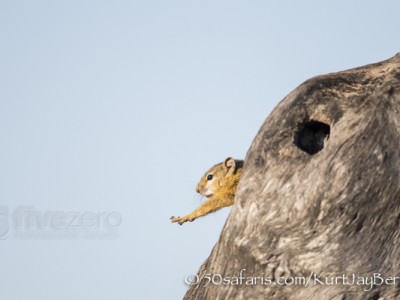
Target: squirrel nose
(198, 190)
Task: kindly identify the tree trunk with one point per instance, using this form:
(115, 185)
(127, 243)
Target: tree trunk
(317, 210)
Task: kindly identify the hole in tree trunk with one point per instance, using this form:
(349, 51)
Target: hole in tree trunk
(310, 136)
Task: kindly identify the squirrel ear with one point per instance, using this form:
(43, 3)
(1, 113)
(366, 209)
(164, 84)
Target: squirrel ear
(229, 164)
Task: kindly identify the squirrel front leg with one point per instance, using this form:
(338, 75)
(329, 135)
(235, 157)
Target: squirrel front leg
(212, 204)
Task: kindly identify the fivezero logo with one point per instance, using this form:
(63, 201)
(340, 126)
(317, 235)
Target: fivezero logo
(30, 223)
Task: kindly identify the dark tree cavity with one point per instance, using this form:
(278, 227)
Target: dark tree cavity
(319, 194)
(310, 136)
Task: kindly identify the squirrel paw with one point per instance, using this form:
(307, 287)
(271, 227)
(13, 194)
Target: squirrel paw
(182, 220)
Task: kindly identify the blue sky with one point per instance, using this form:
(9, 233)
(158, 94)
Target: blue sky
(120, 106)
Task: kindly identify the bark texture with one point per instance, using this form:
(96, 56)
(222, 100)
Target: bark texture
(319, 197)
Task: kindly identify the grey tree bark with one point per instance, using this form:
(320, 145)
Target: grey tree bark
(317, 211)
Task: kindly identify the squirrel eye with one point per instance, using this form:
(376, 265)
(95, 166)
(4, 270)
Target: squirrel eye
(209, 177)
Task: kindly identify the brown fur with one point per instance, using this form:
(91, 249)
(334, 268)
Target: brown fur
(220, 192)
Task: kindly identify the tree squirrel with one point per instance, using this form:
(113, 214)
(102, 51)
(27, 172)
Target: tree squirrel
(219, 185)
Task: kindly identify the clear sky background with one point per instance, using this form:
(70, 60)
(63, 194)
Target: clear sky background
(121, 106)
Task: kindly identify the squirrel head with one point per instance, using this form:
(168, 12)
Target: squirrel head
(217, 176)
